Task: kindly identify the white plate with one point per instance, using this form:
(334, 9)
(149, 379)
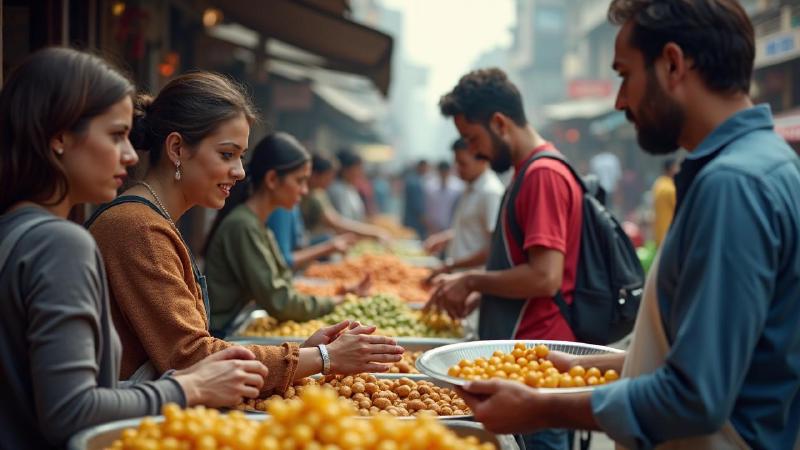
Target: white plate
(436, 362)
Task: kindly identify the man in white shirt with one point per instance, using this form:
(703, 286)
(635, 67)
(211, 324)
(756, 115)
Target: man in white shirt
(607, 168)
(467, 242)
(343, 192)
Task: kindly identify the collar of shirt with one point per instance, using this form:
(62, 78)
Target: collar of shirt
(736, 126)
(478, 183)
(739, 124)
(547, 146)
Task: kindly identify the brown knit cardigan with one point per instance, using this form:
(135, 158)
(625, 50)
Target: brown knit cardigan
(156, 304)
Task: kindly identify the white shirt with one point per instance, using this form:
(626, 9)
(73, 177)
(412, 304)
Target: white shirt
(608, 170)
(346, 200)
(475, 215)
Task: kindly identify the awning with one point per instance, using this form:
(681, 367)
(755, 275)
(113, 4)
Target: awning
(579, 109)
(347, 94)
(317, 26)
(788, 125)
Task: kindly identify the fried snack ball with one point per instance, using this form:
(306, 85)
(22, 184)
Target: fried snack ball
(529, 366)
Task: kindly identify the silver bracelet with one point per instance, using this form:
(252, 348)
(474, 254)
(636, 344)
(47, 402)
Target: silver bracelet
(326, 359)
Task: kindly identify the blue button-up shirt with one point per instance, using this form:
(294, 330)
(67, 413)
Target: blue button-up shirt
(729, 295)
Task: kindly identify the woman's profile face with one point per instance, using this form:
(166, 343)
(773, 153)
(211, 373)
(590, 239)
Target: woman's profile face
(94, 160)
(215, 164)
(291, 188)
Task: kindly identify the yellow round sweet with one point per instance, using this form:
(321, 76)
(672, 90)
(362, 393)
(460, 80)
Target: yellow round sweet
(530, 365)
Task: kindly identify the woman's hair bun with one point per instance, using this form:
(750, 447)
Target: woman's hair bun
(141, 134)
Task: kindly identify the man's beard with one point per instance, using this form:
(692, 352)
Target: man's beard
(659, 120)
(501, 154)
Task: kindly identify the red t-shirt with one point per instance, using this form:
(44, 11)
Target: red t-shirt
(549, 209)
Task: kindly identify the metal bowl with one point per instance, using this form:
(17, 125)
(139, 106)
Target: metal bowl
(102, 436)
(436, 362)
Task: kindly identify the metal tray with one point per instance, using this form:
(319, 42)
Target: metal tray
(436, 362)
(239, 336)
(396, 376)
(409, 343)
(102, 436)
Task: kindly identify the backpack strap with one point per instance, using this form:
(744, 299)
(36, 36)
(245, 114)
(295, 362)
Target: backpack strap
(513, 223)
(198, 276)
(11, 240)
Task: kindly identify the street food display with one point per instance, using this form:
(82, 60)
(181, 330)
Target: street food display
(530, 365)
(314, 419)
(394, 228)
(391, 316)
(372, 395)
(401, 248)
(388, 274)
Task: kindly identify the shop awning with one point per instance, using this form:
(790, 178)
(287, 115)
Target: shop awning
(318, 26)
(588, 108)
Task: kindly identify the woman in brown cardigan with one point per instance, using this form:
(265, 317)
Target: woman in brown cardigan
(196, 132)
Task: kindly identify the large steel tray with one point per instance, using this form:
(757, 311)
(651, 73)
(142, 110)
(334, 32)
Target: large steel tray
(102, 436)
(239, 336)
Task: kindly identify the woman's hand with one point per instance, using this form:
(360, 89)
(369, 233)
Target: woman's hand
(328, 334)
(222, 379)
(357, 350)
(343, 242)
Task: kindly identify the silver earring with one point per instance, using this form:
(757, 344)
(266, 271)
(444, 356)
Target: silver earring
(178, 170)
(59, 151)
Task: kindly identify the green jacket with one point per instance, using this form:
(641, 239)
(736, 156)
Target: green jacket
(244, 263)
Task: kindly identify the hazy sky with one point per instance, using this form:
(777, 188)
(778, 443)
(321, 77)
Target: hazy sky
(447, 36)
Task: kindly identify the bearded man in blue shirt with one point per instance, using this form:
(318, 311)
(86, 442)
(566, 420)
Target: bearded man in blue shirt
(715, 357)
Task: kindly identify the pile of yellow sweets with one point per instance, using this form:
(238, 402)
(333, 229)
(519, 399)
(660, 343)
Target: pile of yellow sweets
(530, 366)
(316, 421)
(270, 327)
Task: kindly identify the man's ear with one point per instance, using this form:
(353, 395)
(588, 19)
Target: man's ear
(677, 67)
(498, 124)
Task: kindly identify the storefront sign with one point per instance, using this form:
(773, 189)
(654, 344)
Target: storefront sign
(589, 88)
(777, 48)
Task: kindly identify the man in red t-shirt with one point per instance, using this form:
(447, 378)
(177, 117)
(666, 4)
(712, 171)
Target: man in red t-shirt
(534, 255)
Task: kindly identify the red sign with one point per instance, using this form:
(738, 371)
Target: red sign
(589, 88)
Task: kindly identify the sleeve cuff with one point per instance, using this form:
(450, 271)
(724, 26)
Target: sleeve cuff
(173, 391)
(613, 411)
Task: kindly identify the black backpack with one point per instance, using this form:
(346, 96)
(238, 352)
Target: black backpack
(609, 280)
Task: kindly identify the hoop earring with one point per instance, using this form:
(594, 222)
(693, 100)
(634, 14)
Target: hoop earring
(178, 170)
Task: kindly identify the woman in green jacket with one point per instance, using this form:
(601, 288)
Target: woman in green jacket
(243, 260)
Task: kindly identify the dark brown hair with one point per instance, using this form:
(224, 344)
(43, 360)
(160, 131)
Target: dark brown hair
(716, 35)
(193, 104)
(54, 90)
(481, 93)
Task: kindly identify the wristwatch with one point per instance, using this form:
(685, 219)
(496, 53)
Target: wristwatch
(326, 359)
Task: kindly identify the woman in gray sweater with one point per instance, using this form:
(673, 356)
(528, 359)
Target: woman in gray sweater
(64, 122)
